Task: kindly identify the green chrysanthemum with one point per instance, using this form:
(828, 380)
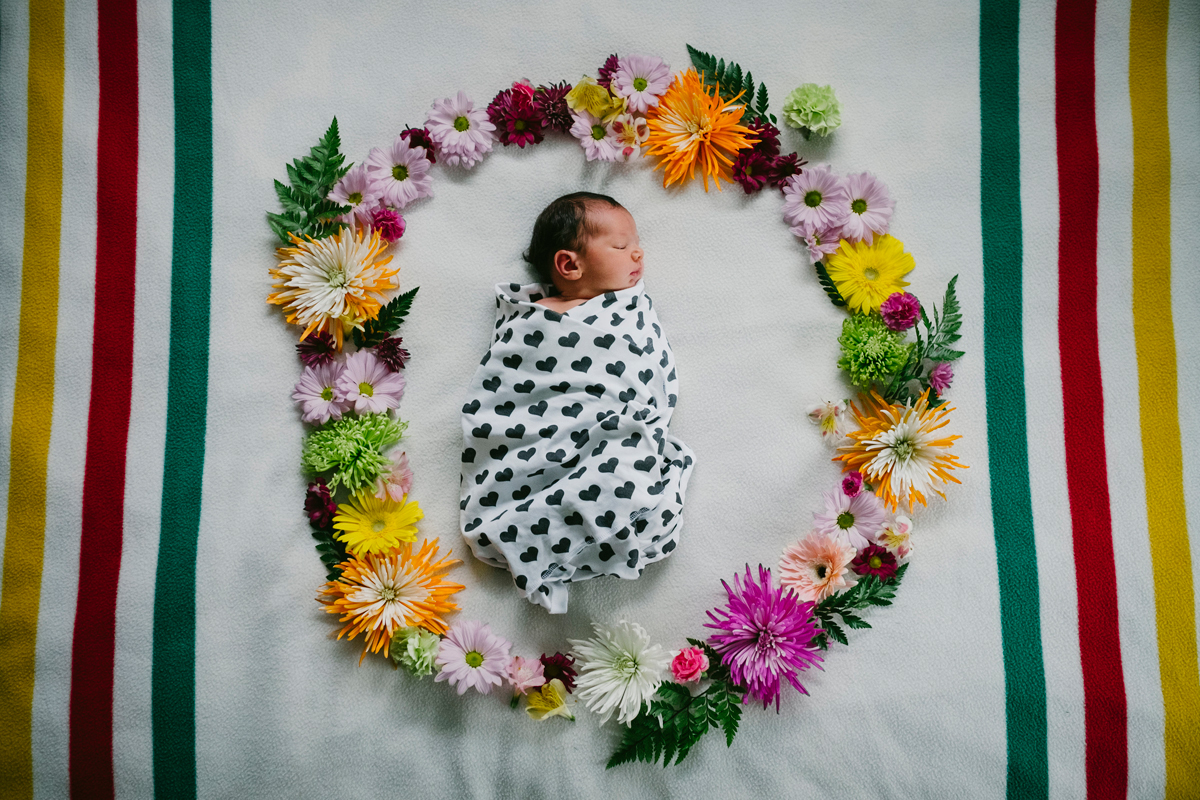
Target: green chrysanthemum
(812, 109)
(871, 351)
(415, 649)
(350, 449)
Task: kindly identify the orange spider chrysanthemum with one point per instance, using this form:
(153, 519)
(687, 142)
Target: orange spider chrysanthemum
(897, 450)
(690, 126)
(332, 284)
(381, 592)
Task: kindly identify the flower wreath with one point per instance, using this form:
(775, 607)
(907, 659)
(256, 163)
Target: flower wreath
(334, 280)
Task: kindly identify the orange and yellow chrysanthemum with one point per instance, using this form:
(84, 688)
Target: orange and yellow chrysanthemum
(382, 592)
(332, 284)
(692, 126)
(898, 450)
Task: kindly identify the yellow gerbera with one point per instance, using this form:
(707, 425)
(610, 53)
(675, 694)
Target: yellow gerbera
(866, 275)
(368, 524)
(897, 450)
(332, 284)
(383, 592)
(690, 125)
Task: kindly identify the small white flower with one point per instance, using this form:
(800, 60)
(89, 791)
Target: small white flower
(831, 417)
(619, 670)
(896, 536)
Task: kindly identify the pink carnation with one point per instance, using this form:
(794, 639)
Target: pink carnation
(689, 664)
(388, 222)
(369, 384)
(852, 484)
(900, 311)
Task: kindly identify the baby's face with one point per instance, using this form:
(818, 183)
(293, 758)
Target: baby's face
(612, 258)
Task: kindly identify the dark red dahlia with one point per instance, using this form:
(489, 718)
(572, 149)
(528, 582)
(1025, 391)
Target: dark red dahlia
(874, 560)
(768, 137)
(752, 170)
(608, 71)
(559, 666)
(316, 349)
(551, 101)
(516, 118)
(784, 167)
(419, 137)
(319, 505)
(392, 354)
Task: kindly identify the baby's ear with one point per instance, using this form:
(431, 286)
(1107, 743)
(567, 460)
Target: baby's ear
(566, 265)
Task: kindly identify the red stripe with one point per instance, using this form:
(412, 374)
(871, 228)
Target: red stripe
(108, 412)
(1083, 399)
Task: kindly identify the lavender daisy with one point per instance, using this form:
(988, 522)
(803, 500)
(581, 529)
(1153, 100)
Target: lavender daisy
(318, 394)
(400, 172)
(358, 190)
(854, 519)
(461, 133)
(368, 384)
(595, 137)
(641, 80)
(820, 242)
(867, 208)
(766, 635)
(815, 197)
(472, 657)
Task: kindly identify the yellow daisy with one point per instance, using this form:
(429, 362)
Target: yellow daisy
(866, 275)
(368, 524)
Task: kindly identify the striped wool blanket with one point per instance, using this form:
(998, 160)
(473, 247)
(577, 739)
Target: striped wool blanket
(158, 630)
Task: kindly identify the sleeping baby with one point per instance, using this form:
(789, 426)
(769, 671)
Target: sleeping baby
(569, 470)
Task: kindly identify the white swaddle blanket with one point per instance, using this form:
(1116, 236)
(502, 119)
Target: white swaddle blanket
(569, 470)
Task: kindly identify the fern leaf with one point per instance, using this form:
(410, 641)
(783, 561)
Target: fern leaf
(761, 104)
(388, 320)
(835, 632)
(829, 286)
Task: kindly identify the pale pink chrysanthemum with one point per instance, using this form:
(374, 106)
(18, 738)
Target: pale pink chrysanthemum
(819, 241)
(856, 519)
(463, 134)
(867, 208)
(397, 483)
(816, 197)
(400, 172)
(525, 674)
(357, 189)
(817, 566)
(368, 384)
(472, 657)
(641, 80)
(318, 394)
(595, 137)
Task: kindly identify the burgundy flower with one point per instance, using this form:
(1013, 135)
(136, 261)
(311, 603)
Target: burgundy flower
(768, 137)
(551, 101)
(874, 560)
(784, 167)
(419, 137)
(319, 505)
(559, 666)
(388, 222)
(751, 169)
(516, 118)
(852, 484)
(317, 349)
(392, 354)
(900, 311)
(608, 71)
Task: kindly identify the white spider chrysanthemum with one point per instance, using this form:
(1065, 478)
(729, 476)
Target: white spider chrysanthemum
(618, 670)
(333, 283)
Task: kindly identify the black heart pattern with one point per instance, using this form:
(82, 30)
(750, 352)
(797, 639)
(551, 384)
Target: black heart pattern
(505, 408)
(606, 519)
(522, 493)
(512, 362)
(582, 365)
(541, 527)
(547, 365)
(534, 339)
(483, 431)
(529, 555)
(509, 534)
(524, 387)
(605, 341)
(468, 456)
(610, 465)
(489, 499)
(491, 384)
(590, 494)
(570, 340)
(563, 546)
(481, 477)
(499, 452)
(573, 410)
(471, 407)
(574, 518)
(617, 369)
(539, 408)
(515, 432)
(645, 465)
(606, 551)
(547, 432)
(625, 491)
(555, 499)
(595, 389)
(504, 475)
(473, 524)
(560, 387)
(627, 395)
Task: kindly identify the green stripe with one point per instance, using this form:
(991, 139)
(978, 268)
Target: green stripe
(1008, 457)
(173, 689)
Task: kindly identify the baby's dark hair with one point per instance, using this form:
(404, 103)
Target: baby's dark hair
(562, 225)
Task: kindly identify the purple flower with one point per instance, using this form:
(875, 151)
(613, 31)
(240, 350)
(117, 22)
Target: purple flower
(317, 350)
(816, 198)
(751, 169)
(516, 118)
(867, 208)
(874, 560)
(852, 484)
(369, 385)
(560, 666)
(358, 190)
(319, 505)
(940, 376)
(318, 393)
(551, 101)
(392, 354)
(609, 70)
(419, 137)
(768, 137)
(766, 634)
(784, 167)
(900, 311)
(388, 222)
(462, 132)
(400, 172)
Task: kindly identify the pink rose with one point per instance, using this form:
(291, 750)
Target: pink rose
(689, 664)
(524, 87)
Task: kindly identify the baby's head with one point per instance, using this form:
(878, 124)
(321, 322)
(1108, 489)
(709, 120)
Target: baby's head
(586, 244)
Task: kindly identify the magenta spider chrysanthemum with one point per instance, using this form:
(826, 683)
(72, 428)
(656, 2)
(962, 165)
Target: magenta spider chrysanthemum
(867, 209)
(766, 635)
(641, 80)
(815, 197)
(358, 190)
(317, 349)
(368, 383)
(400, 172)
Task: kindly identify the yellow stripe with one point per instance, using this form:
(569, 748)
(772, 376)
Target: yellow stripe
(33, 399)
(1154, 334)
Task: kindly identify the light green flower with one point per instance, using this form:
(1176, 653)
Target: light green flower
(415, 649)
(812, 109)
(351, 448)
(871, 352)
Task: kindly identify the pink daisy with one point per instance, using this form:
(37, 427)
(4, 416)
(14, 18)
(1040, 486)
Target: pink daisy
(816, 198)
(397, 483)
(595, 137)
(855, 519)
(318, 393)
(462, 133)
(358, 190)
(867, 208)
(817, 566)
(641, 80)
(368, 384)
(820, 241)
(472, 657)
(400, 172)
